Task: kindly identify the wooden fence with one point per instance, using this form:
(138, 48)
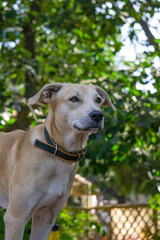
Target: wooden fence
(126, 222)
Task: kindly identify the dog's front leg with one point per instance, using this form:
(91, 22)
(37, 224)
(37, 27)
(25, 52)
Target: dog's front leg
(22, 203)
(14, 227)
(42, 223)
(44, 219)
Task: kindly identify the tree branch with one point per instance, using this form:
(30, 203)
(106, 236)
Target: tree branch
(148, 33)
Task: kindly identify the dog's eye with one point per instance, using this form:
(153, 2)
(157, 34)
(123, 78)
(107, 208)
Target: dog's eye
(74, 99)
(98, 100)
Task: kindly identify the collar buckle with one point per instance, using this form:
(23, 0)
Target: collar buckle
(56, 147)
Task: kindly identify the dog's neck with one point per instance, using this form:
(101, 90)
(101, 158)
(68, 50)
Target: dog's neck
(66, 138)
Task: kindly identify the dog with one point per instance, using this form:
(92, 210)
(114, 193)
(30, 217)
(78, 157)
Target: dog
(37, 167)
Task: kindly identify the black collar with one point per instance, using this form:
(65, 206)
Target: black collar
(52, 147)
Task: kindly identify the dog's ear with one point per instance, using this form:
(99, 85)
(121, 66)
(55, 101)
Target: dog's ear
(46, 94)
(106, 98)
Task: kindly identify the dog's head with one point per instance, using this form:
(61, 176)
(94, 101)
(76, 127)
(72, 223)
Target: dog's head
(77, 106)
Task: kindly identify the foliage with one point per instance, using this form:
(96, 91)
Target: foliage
(74, 225)
(73, 41)
(155, 202)
(1, 224)
(77, 225)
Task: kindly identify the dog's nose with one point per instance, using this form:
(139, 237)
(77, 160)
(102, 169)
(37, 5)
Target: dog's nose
(96, 116)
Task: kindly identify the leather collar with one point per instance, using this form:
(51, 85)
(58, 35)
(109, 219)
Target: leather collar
(52, 147)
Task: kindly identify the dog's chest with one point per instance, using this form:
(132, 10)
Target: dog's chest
(57, 186)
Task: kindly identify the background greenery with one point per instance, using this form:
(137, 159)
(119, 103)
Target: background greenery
(78, 41)
(74, 225)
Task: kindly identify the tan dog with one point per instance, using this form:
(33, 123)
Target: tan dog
(35, 183)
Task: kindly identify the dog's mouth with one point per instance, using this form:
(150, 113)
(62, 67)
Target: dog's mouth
(88, 129)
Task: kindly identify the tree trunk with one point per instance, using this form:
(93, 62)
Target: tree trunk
(29, 32)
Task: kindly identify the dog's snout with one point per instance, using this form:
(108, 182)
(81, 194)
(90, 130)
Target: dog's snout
(96, 116)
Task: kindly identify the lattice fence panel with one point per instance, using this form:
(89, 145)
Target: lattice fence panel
(124, 222)
(129, 222)
(132, 223)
